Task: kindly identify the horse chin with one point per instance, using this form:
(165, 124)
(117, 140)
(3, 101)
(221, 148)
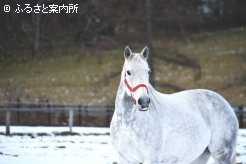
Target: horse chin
(143, 109)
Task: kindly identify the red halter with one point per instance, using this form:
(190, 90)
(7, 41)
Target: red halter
(134, 89)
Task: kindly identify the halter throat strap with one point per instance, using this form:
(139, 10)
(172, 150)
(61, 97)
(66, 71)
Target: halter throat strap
(133, 89)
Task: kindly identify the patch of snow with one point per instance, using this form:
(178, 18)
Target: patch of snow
(91, 145)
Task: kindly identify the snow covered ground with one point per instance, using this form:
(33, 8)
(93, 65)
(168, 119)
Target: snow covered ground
(47, 145)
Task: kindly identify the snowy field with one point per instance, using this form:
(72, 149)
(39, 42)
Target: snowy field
(49, 145)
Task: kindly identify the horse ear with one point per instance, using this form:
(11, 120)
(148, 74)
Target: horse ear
(127, 52)
(145, 52)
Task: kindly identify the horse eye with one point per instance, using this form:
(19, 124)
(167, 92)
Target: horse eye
(128, 72)
(149, 72)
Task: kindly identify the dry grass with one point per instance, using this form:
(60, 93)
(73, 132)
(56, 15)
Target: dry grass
(64, 76)
(222, 57)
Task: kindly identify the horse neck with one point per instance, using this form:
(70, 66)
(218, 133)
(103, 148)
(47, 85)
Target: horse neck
(120, 93)
(158, 99)
(123, 102)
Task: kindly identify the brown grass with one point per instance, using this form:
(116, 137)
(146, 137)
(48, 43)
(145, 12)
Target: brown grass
(91, 77)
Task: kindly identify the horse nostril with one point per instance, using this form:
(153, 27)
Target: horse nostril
(140, 101)
(148, 100)
(144, 102)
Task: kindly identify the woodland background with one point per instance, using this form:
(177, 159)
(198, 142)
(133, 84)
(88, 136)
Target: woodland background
(77, 58)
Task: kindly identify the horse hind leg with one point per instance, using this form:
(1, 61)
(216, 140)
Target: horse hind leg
(203, 158)
(223, 155)
(223, 158)
(224, 130)
(223, 146)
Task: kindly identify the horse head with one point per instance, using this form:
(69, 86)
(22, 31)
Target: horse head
(135, 75)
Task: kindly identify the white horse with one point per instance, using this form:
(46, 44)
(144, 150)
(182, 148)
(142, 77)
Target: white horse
(181, 128)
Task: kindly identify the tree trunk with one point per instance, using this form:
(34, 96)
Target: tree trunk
(149, 7)
(36, 27)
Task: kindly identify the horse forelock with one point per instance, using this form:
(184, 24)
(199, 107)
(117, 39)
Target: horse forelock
(136, 62)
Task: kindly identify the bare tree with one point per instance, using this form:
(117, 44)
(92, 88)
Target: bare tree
(148, 4)
(36, 27)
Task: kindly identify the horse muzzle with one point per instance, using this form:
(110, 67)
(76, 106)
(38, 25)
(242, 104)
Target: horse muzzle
(143, 103)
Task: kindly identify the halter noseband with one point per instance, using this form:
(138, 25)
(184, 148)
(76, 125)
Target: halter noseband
(133, 89)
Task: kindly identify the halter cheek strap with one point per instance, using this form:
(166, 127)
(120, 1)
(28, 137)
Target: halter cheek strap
(133, 89)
